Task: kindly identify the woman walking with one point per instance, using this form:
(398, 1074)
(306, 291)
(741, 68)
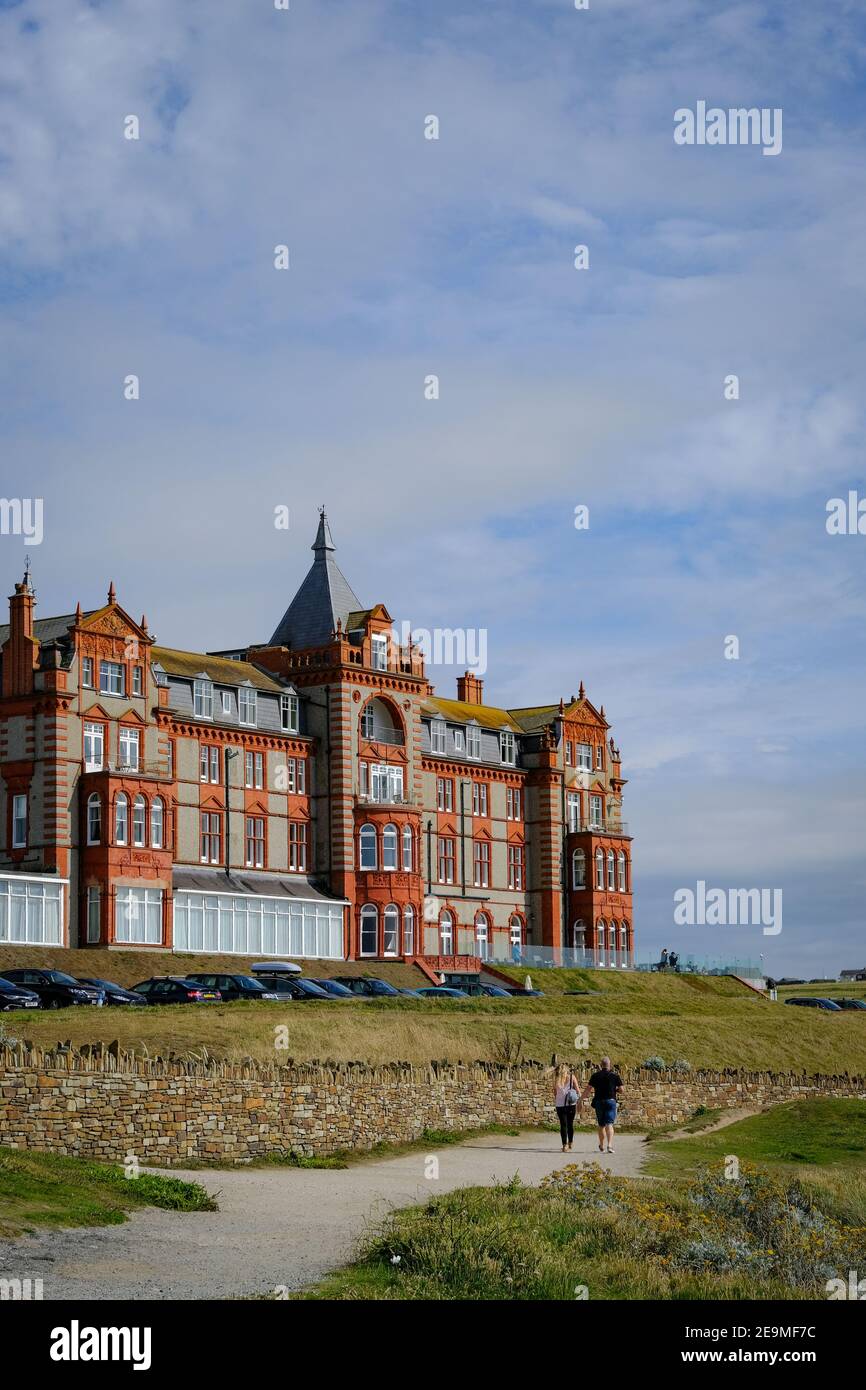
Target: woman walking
(566, 1094)
(606, 1085)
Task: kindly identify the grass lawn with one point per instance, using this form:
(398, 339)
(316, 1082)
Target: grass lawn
(38, 1189)
(846, 989)
(710, 1021)
(824, 1133)
(779, 1232)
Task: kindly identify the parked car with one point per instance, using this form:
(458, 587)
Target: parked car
(235, 986)
(476, 990)
(807, 1002)
(55, 989)
(442, 992)
(275, 967)
(175, 989)
(368, 985)
(851, 1003)
(17, 997)
(524, 993)
(334, 988)
(293, 987)
(410, 993)
(114, 994)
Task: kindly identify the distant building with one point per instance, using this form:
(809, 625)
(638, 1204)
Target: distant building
(308, 796)
(853, 974)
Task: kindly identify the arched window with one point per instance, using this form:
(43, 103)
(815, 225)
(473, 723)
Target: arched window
(482, 935)
(139, 821)
(515, 932)
(621, 870)
(94, 819)
(578, 932)
(623, 940)
(121, 819)
(611, 881)
(389, 847)
(446, 934)
(407, 849)
(408, 931)
(600, 939)
(391, 943)
(599, 868)
(379, 724)
(578, 869)
(369, 930)
(368, 846)
(156, 823)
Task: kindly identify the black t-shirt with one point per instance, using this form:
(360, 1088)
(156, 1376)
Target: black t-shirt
(605, 1084)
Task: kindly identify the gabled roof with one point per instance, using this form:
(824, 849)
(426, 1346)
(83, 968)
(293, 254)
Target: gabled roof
(220, 669)
(324, 598)
(46, 629)
(535, 717)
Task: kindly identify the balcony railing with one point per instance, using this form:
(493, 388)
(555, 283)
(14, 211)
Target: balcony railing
(381, 733)
(597, 827)
(143, 769)
(383, 799)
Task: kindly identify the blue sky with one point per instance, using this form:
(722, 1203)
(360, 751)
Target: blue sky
(558, 387)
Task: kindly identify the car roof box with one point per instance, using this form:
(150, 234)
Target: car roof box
(276, 967)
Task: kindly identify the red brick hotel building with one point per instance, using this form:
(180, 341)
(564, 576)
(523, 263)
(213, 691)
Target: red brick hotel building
(309, 797)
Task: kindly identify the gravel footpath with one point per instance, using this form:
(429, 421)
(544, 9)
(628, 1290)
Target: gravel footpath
(277, 1226)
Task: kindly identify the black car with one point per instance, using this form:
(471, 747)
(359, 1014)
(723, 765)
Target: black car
(807, 1002)
(476, 990)
(851, 1003)
(56, 990)
(334, 988)
(442, 992)
(293, 987)
(369, 986)
(235, 986)
(175, 989)
(16, 997)
(114, 994)
(524, 993)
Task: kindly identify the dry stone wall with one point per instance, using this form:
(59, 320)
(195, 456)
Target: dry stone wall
(102, 1103)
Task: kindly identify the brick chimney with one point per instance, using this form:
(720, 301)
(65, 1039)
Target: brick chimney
(470, 689)
(20, 651)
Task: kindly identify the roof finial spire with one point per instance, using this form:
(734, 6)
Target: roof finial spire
(581, 692)
(112, 593)
(323, 539)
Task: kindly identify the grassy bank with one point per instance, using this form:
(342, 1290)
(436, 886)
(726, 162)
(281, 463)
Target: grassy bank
(828, 1133)
(710, 1022)
(38, 1189)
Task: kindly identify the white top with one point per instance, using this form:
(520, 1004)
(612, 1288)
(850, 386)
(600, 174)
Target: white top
(562, 1091)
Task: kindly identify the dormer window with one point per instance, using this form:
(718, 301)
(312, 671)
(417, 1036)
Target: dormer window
(247, 706)
(437, 735)
(459, 741)
(202, 695)
(289, 713)
(473, 741)
(507, 748)
(379, 650)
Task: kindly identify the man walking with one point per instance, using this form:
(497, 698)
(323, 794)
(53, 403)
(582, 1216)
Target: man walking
(605, 1085)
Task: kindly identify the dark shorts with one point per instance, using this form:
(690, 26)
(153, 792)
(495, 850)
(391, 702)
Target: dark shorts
(605, 1111)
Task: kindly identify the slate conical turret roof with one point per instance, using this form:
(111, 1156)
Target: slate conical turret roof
(324, 598)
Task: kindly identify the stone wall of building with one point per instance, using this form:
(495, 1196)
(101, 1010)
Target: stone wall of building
(103, 1103)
